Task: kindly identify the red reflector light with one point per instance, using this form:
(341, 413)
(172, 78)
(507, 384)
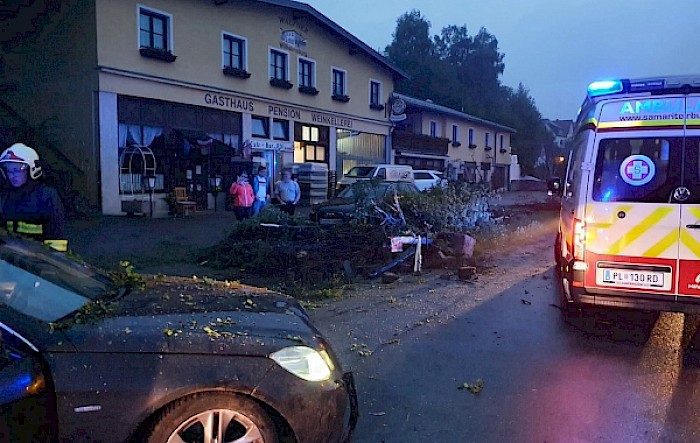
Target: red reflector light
(579, 240)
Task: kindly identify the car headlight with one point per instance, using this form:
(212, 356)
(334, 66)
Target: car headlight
(304, 362)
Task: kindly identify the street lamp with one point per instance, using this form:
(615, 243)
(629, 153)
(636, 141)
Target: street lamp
(150, 182)
(215, 187)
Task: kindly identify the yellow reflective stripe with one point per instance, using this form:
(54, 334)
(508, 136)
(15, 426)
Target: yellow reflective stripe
(59, 245)
(29, 228)
(669, 240)
(695, 212)
(639, 230)
(592, 234)
(690, 242)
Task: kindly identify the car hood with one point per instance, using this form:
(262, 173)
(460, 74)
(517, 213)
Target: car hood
(179, 315)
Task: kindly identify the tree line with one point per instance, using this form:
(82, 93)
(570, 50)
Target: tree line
(462, 72)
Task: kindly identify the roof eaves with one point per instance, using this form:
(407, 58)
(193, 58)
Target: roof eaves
(333, 26)
(449, 111)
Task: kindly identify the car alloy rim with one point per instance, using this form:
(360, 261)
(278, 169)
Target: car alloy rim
(217, 426)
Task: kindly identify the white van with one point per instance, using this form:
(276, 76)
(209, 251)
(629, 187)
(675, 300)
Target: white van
(629, 229)
(386, 172)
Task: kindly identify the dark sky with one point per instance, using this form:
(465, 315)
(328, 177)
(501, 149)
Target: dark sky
(554, 47)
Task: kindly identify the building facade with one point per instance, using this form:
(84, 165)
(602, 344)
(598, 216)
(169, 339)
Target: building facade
(150, 95)
(467, 148)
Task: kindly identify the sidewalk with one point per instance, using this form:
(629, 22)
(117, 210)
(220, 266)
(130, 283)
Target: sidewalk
(147, 242)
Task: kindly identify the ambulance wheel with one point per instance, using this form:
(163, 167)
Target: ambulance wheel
(568, 309)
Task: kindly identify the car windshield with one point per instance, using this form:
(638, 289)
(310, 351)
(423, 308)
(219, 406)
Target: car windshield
(360, 171)
(45, 284)
(363, 189)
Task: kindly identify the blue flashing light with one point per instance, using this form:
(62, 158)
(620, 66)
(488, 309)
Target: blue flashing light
(605, 87)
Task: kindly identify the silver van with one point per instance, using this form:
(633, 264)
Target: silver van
(385, 172)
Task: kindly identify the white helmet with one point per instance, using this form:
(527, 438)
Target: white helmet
(21, 153)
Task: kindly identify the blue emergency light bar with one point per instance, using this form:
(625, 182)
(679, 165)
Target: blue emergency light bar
(677, 84)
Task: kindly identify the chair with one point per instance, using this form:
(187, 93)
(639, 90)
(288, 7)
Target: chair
(183, 205)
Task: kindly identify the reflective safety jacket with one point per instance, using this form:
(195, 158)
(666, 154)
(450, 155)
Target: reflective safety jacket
(34, 210)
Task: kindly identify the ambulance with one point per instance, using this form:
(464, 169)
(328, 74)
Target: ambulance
(629, 227)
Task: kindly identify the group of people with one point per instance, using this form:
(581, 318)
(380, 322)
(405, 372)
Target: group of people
(28, 206)
(248, 200)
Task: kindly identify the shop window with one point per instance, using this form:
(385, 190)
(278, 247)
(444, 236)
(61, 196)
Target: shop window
(154, 35)
(134, 168)
(314, 153)
(309, 133)
(260, 127)
(280, 129)
(234, 56)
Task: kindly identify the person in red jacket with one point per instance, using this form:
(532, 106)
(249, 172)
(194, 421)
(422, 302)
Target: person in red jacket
(27, 205)
(242, 193)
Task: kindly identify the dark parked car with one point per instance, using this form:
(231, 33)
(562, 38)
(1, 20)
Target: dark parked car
(342, 208)
(83, 359)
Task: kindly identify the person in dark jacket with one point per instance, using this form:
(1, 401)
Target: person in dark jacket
(27, 205)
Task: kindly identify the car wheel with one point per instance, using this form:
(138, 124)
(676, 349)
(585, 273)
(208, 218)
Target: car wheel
(209, 418)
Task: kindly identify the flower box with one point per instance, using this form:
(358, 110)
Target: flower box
(472, 146)
(376, 106)
(236, 72)
(158, 54)
(341, 98)
(279, 83)
(309, 90)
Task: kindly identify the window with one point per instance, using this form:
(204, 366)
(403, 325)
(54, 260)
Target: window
(375, 95)
(433, 129)
(501, 142)
(234, 52)
(471, 137)
(278, 65)
(623, 169)
(455, 135)
(306, 73)
(260, 127)
(280, 129)
(308, 150)
(487, 140)
(153, 30)
(338, 86)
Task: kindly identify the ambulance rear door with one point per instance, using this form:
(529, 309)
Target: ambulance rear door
(632, 222)
(688, 196)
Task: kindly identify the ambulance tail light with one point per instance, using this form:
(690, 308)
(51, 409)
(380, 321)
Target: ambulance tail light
(579, 240)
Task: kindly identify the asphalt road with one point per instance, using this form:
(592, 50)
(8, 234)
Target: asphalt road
(416, 345)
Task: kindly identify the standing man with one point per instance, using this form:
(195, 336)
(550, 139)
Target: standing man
(261, 189)
(28, 206)
(288, 192)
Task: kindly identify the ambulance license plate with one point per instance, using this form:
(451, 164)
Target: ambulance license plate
(632, 279)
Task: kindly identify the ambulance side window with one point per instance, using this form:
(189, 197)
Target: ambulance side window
(573, 180)
(637, 169)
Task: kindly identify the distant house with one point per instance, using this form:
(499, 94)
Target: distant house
(563, 131)
(430, 136)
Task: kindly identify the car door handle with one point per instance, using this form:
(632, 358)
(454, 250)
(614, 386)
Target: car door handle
(692, 226)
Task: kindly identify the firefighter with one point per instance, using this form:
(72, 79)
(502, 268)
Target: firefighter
(28, 206)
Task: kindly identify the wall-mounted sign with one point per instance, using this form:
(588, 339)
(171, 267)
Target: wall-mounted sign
(272, 145)
(293, 40)
(398, 110)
